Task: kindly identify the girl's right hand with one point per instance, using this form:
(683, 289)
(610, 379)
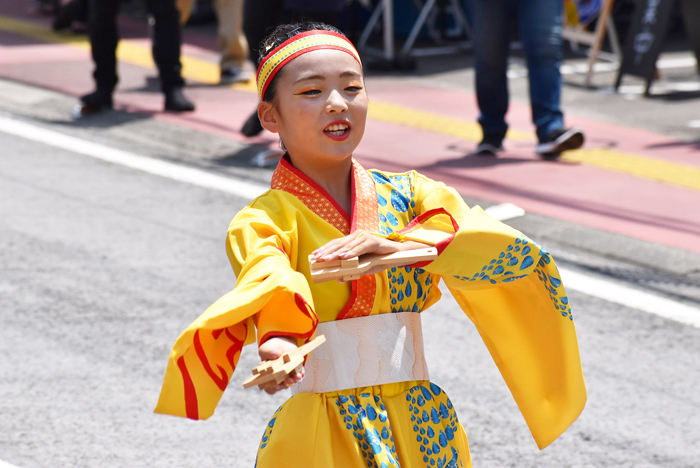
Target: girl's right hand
(272, 349)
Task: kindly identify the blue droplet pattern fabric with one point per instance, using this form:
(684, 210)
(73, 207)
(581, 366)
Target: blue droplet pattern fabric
(554, 286)
(409, 287)
(510, 265)
(366, 416)
(435, 425)
(515, 262)
(268, 432)
(396, 199)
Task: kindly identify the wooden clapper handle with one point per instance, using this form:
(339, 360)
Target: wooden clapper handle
(278, 370)
(353, 268)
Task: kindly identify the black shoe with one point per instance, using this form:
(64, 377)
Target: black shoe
(490, 145)
(560, 140)
(252, 126)
(94, 102)
(175, 101)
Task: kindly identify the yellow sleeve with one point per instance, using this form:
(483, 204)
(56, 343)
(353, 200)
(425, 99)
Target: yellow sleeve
(474, 249)
(511, 290)
(269, 294)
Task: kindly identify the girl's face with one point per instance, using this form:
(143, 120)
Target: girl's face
(320, 106)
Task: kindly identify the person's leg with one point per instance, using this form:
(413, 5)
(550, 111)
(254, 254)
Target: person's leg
(185, 9)
(167, 40)
(328, 17)
(540, 24)
(65, 15)
(260, 18)
(232, 42)
(493, 21)
(104, 38)
(82, 17)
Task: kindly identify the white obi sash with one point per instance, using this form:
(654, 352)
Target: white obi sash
(365, 351)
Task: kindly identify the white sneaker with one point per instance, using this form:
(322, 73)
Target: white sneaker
(234, 75)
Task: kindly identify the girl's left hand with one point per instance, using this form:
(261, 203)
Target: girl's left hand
(271, 350)
(360, 243)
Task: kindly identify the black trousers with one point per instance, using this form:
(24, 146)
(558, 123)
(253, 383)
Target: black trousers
(167, 39)
(261, 17)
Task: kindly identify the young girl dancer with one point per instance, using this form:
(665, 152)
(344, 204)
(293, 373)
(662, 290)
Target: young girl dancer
(365, 398)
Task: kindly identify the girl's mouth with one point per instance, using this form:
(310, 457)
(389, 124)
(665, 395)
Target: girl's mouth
(337, 131)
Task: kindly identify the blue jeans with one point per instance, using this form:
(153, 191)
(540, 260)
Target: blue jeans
(539, 23)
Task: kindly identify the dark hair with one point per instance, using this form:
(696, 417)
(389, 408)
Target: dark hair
(279, 36)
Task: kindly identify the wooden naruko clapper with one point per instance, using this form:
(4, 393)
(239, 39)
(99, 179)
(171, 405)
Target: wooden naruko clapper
(276, 371)
(352, 268)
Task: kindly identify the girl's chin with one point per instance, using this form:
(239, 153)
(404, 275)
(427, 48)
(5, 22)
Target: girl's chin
(333, 155)
(338, 149)
(327, 150)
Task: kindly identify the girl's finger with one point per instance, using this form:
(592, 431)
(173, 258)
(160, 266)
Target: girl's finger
(338, 250)
(336, 243)
(331, 247)
(327, 246)
(364, 245)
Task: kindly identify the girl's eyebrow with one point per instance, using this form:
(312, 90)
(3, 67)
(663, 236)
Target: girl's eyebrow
(321, 77)
(310, 77)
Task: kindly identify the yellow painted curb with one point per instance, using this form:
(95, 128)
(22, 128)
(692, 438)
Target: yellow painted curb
(458, 128)
(40, 32)
(679, 175)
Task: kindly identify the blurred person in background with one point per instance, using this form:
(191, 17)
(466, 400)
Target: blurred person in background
(45, 7)
(167, 39)
(261, 17)
(232, 42)
(72, 15)
(540, 25)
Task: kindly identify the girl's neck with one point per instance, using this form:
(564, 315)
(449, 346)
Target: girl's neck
(334, 178)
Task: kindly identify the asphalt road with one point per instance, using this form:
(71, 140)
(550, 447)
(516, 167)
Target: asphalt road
(101, 267)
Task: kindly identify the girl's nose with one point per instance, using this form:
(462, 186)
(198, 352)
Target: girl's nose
(336, 102)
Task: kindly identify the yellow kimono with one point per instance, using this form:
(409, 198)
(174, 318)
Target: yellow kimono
(506, 284)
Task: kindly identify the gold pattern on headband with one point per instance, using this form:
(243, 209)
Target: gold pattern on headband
(298, 45)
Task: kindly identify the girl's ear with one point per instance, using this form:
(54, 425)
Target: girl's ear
(268, 116)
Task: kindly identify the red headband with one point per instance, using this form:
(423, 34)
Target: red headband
(300, 44)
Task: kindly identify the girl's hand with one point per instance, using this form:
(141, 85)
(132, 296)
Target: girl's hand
(271, 350)
(360, 243)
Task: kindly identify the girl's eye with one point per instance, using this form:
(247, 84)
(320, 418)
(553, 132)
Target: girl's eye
(311, 92)
(353, 89)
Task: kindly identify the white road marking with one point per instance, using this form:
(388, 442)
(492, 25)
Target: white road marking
(518, 67)
(166, 169)
(6, 465)
(596, 287)
(658, 88)
(630, 297)
(505, 211)
(678, 62)
(21, 94)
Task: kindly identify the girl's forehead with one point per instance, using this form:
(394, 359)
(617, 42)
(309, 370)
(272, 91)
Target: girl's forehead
(323, 62)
